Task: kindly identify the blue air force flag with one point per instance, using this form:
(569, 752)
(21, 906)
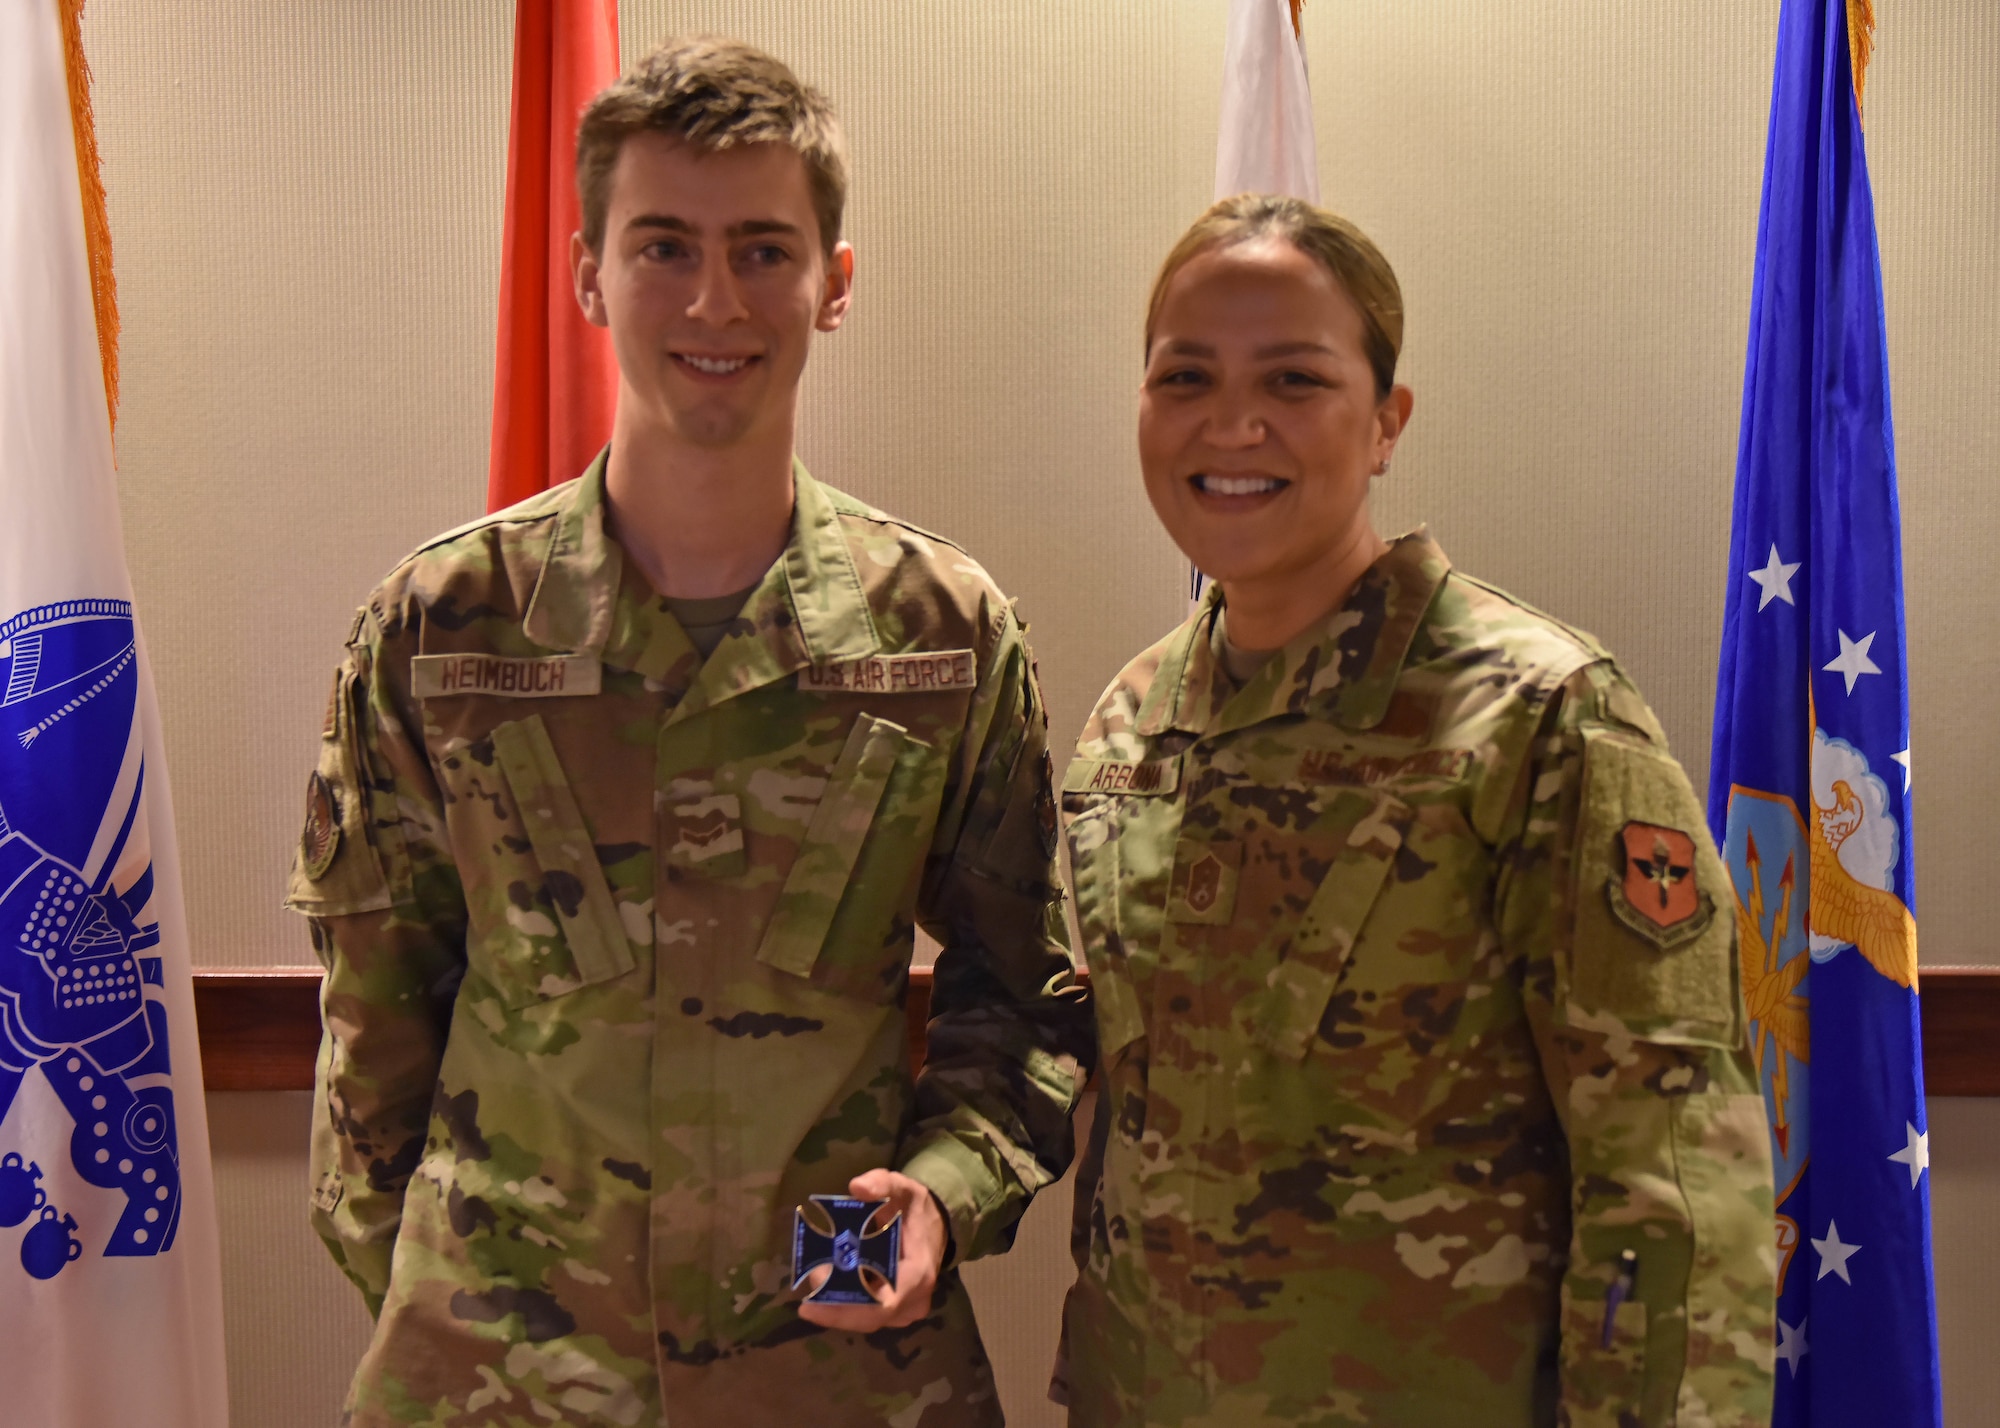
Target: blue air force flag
(110, 1293)
(1810, 787)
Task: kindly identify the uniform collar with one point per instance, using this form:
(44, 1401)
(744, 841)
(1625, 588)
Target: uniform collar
(1344, 668)
(827, 605)
(576, 594)
(809, 609)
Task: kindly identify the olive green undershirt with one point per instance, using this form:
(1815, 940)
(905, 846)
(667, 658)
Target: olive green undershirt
(707, 619)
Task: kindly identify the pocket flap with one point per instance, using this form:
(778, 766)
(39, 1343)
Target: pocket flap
(1286, 1015)
(1116, 1005)
(825, 861)
(562, 846)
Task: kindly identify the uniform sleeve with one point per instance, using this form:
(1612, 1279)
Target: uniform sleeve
(373, 877)
(1010, 1035)
(1620, 917)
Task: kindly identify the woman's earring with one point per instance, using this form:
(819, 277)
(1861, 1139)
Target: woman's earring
(1382, 467)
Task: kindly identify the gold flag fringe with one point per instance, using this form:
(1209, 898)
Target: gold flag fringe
(96, 221)
(1297, 6)
(1860, 42)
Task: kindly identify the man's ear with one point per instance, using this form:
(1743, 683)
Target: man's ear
(584, 273)
(838, 294)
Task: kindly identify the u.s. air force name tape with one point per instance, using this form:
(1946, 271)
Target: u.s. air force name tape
(435, 675)
(924, 672)
(1157, 776)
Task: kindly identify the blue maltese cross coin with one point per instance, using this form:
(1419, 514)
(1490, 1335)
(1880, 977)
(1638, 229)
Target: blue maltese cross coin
(851, 1247)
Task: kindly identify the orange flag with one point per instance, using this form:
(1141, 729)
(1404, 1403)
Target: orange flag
(555, 380)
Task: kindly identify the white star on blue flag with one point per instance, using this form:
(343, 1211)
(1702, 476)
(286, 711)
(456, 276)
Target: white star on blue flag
(1853, 661)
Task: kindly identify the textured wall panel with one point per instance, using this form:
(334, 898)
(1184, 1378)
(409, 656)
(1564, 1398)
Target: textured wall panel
(1933, 131)
(305, 203)
(1965, 1189)
(1570, 196)
(306, 195)
(296, 1327)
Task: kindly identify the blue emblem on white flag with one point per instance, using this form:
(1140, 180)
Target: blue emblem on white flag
(110, 1271)
(1810, 782)
(80, 999)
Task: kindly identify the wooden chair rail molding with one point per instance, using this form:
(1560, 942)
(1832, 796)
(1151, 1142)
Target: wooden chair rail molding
(260, 1027)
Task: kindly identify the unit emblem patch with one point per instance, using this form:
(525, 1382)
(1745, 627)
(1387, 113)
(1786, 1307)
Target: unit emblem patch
(1656, 892)
(321, 838)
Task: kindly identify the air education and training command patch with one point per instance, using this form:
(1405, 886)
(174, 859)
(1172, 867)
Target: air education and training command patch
(1656, 893)
(321, 838)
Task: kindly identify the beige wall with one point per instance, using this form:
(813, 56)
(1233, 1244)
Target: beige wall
(305, 196)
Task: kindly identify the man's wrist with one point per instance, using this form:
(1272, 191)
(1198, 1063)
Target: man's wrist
(936, 1166)
(946, 1250)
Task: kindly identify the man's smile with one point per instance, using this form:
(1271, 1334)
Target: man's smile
(714, 364)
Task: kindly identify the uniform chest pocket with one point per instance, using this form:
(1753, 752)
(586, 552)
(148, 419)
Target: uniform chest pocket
(836, 919)
(1285, 1015)
(546, 923)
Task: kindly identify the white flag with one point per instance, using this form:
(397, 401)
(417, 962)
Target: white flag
(1265, 144)
(110, 1280)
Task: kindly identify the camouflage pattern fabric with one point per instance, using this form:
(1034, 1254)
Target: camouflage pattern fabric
(616, 943)
(1403, 1045)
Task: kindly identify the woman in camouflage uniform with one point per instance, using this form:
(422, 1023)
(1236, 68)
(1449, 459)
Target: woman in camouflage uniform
(1425, 1094)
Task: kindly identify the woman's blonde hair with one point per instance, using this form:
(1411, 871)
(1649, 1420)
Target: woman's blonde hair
(1356, 264)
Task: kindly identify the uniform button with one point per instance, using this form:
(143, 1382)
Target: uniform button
(691, 1007)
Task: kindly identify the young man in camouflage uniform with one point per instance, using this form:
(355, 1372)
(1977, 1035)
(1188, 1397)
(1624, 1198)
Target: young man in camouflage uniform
(1426, 1094)
(628, 799)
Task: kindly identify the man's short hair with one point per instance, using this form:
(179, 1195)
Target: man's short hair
(714, 94)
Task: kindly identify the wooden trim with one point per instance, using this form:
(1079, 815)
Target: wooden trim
(1960, 1007)
(260, 1027)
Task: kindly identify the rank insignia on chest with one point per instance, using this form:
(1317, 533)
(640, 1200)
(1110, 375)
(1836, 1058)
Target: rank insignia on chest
(1656, 892)
(1203, 889)
(850, 1246)
(705, 834)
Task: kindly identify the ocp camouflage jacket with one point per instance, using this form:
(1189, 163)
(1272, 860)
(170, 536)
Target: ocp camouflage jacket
(1416, 992)
(616, 944)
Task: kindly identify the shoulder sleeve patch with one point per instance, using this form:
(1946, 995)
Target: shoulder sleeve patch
(1652, 939)
(336, 869)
